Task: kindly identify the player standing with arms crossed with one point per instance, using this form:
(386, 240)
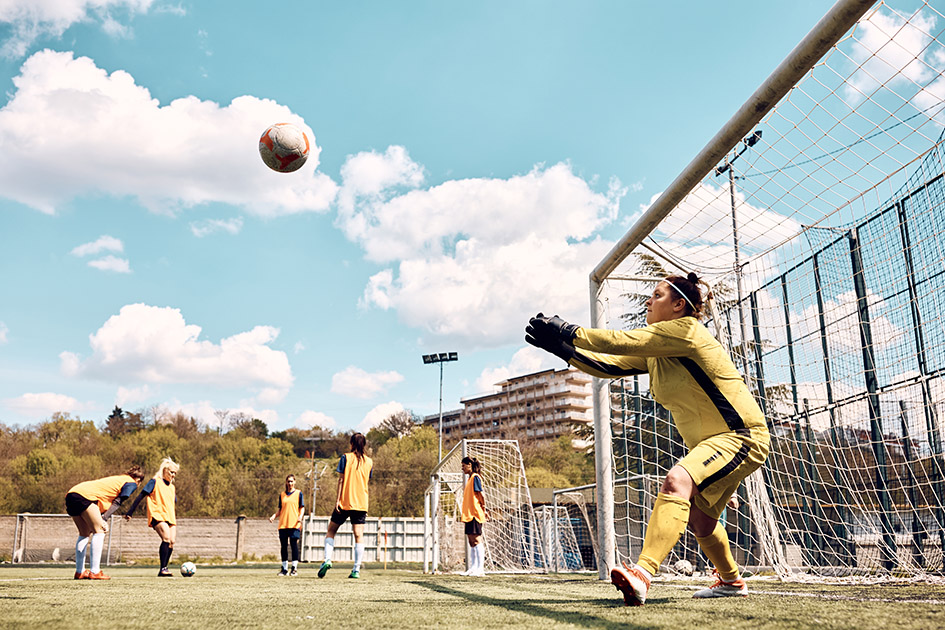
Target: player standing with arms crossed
(355, 469)
(85, 503)
(290, 512)
(473, 515)
(162, 516)
(693, 377)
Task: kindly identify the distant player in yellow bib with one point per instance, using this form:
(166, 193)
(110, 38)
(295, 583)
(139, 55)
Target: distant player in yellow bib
(355, 469)
(162, 516)
(91, 504)
(290, 512)
(473, 514)
(693, 377)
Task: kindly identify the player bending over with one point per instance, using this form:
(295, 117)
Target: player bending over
(91, 504)
(693, 377)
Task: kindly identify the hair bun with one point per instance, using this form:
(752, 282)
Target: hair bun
(692, 277)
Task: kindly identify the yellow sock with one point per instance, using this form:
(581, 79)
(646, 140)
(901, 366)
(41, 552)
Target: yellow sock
(667, 523)
(717, 549)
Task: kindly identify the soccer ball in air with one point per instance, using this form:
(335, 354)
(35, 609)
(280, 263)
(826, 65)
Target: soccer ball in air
(683, 567)
(188, 569)
(284, 147)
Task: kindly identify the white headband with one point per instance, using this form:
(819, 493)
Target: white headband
(694, 309)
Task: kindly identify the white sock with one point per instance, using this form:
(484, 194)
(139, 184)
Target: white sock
(648, 575)
(329, 547)
(295, 565)
(285, 565)
(474, 559)
(98, 543)
(81, 544)
(358, 555)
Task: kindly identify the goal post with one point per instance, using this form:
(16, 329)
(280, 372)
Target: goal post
(824, 250)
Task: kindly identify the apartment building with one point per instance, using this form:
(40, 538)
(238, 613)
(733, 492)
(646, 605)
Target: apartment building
(539, 406)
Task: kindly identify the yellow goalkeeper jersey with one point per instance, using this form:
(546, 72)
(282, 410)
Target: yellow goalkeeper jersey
(691, 375)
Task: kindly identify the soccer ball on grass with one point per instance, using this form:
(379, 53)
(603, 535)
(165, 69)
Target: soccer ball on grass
(188, 569)
(683, 567)
(284, 147)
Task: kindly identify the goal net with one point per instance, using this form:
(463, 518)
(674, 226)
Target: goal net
(820, 226)
(512, 533)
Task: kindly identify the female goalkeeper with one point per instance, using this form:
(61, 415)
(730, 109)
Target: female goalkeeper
(692, 376)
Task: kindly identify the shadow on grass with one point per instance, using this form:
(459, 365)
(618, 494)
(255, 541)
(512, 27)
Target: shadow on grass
(538, 609)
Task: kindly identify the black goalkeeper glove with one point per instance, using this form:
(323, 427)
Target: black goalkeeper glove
(549, 341)
(553, 327)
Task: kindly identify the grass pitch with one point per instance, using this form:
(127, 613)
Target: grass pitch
(234, 597)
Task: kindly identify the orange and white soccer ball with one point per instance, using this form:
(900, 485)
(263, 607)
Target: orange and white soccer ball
(188, 569)
(284, 147)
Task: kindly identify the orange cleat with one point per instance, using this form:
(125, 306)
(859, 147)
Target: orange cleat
(83, 576)
(631, 583)
(98, 576)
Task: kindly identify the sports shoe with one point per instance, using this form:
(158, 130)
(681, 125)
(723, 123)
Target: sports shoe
(98, 576)
(84, 575)
(165, 572)
(632, 583)
(293, 572)
(322, 570)
(354, 575)
(283, 573)
(721, 588)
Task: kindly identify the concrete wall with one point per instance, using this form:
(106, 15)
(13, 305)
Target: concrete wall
(51, 538)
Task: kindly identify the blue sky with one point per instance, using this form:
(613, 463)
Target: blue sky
(472, 163)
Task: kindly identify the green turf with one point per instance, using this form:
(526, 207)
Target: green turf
(255, 597)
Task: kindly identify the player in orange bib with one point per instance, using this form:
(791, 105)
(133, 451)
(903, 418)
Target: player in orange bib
(91, 504)
(473, 514)
(290, 512)
(162, 518)
(723, 427)
(355, 469)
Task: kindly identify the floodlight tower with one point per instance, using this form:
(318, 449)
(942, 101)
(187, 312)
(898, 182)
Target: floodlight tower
(441, 358)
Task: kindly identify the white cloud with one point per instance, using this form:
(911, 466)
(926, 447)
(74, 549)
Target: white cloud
(357, 383)
(132, 395)
(298, 347)
(210, 226)
(43, 405)
(150, 344)
(4, 332)
(527, 360)
(104, 243)
(309, 419)
(31, 20)
(471, 259)
(889, 49)
(71, 129)
(378, 414)
(111, 263)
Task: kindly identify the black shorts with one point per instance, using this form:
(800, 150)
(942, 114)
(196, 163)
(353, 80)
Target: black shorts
(154, 523)
(358, 517)
(76, 504)
(474, 527)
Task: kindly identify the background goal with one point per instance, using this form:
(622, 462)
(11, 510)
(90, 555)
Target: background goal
(512, 534)
(817, 217)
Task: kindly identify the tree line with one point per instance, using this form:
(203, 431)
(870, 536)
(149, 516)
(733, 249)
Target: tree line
(240, 467)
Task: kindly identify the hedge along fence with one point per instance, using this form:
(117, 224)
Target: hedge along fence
(51, 538)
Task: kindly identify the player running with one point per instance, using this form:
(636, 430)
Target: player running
(693, 377)
(162, 518)
(355, 469)
(473, 515)
(91, 504)
(290, 512)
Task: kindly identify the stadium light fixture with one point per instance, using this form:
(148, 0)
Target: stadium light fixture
(441, 358)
